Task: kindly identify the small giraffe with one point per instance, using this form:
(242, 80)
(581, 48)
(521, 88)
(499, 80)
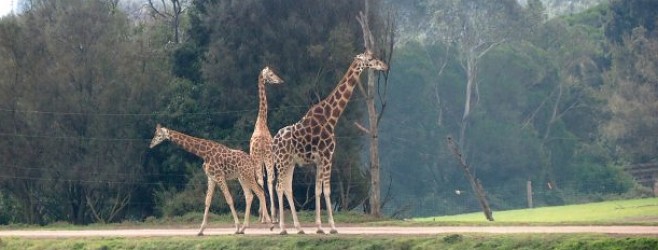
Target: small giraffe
(220, 164)
(260, 147)
(312, 141)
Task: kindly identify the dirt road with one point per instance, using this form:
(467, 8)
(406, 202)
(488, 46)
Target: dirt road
(357, 230)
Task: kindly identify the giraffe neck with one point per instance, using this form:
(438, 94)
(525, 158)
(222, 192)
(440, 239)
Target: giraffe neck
(261, 120)
(196, 146)
(332, 106)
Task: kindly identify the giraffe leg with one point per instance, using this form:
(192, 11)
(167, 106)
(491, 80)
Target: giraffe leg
(260, 194)
(269, 167)
(284, 187)
(327, 198)
(248, 197)
(289, 197)
(259, 179)
(209, 194)
(318, 208)
(279, 192)
(229, 201)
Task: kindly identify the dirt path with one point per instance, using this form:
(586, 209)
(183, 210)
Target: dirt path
(622, 230)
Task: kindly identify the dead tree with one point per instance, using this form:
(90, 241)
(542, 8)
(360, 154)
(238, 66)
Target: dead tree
(475, 182)
(373, 116)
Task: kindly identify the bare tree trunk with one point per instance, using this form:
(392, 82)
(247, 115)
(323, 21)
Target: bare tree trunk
(374, 148)
(372, 131)
(475, 183)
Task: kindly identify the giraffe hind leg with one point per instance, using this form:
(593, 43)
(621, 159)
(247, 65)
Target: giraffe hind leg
(229, 201)
(269, 167)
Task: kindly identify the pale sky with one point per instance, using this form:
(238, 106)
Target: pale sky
(5, 6)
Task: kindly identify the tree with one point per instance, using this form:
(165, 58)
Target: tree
(633, 89)
(75, 140)
(173, 13)
(309, 43)
(473, 28)
(373, 115)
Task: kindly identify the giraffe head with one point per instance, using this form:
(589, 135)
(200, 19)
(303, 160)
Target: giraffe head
(368, 61)
(161, 134)
(269, 76)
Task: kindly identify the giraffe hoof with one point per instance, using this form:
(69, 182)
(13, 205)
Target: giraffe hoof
(283, 232)
(333, 231)
(320, 231)
(300, 232)
(199, 234)
(239, 232)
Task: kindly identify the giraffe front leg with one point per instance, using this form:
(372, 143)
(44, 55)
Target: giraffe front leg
(209, 194)
(327, 200)
(248, 197)
(318, 208)
(229, 201)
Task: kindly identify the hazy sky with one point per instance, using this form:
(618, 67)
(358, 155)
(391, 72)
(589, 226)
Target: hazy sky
(5, 6)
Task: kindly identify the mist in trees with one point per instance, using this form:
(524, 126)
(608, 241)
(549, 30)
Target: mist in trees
(564, 101)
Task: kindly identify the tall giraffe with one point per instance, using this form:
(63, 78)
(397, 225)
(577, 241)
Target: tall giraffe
(260, 147)
(312, 141)
(220, 164)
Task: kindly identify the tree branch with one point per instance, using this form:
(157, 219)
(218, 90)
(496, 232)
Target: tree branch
(362, 128)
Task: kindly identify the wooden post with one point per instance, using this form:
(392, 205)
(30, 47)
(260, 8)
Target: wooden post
(655, 185)
(529, 193)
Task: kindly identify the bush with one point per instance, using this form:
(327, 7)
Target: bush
(601, 179)
(7, 210)
(171, 202)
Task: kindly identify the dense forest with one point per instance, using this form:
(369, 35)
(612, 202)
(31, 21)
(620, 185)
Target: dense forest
(560, 101)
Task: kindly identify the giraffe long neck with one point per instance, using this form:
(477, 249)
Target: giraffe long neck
(196, 146)
(261, 120)
(333, 105)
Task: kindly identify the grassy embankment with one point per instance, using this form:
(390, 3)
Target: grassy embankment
(637, 211)
(643, 211)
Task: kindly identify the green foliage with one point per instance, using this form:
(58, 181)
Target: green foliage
(628, 15)
(564, 102)
(73, 150)
(539, 104)
(594, 178)
(309, 44)
(171, 202)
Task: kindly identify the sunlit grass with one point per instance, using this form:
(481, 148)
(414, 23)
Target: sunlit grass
(618, 211)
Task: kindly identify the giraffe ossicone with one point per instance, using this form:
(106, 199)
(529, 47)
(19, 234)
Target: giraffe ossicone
(220, 163)
(312, 141)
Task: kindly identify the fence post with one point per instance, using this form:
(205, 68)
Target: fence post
(655, 185)
(529, 193)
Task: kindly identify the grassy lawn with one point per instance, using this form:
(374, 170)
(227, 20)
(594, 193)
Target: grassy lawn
(638, 211)
(450, 241)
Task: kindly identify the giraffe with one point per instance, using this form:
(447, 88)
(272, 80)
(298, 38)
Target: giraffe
(312, 141)
(260, 146)
(220, 164)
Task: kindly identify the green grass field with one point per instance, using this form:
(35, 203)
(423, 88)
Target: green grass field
(638, 211)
